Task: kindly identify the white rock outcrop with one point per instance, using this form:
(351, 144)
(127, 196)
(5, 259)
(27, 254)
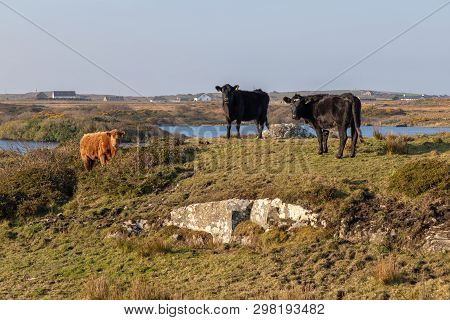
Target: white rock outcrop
(220, 218)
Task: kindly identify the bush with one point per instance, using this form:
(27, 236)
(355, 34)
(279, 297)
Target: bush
(417, 177)
(35, 190)
(38, 182)
(396, 144)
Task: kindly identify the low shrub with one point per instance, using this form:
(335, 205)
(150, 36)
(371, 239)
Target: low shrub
(420, 176)
(35, 190)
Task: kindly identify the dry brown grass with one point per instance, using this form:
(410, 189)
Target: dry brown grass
(100, 289)
(377, 134)
(145, 247)
(396, 145)
(386, 270)
(298, 292)
(143, 290)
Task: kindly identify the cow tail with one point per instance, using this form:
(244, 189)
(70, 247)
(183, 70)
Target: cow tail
(356, 110)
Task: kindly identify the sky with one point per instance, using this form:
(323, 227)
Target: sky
(178, 46)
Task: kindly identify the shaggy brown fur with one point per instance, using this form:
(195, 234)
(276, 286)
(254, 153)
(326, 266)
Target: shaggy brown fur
(99, 145)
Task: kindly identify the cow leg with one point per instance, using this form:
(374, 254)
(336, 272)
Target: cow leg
(238, 128)
(102, 158)
(229, 130)
(354, 140)
(326, 133)
(320, 139)
(260, 127)
(343, 140)
(87, 163)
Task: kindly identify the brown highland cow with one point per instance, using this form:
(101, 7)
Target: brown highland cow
(99, 145)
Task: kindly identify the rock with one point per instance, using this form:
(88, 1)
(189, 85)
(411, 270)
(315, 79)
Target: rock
(438, 238)
(260, 212)
(266, 212)
(135, 227)
(218, 218)
(221, 218)
(115, 235)
(287, 130)
(297, 213)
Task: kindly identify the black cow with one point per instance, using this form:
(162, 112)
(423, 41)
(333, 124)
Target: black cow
(242, 105)
(324, 112)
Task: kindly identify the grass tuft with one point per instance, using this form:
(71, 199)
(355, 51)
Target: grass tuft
(386, 271)
(100, 289)
(377, 134)
(396, 145)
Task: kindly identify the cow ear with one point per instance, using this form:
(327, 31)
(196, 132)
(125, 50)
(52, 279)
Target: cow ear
(236, 87)
(219, 88)
(287, 100)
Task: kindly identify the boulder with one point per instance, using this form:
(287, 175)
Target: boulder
(287, 130)
(221, 218)
(218, 218)
(266, 212)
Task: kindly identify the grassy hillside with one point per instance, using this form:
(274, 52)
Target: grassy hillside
(66, 120)
(56, 218)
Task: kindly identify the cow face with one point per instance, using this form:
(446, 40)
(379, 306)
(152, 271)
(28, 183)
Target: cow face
(115, 136)
(228, 94)
(297, 103)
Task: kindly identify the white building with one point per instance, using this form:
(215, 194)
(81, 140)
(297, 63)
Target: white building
(64, 95)
(204, 98)
(113, 98)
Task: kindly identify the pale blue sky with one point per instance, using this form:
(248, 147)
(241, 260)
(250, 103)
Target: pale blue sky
(175, 46)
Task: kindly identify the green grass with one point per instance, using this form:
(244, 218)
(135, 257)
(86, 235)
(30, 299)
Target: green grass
(46, 256)
(419, 176)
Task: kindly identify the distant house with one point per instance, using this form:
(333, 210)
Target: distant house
(41, 96)
(204, 98)
(113, 98)
(64, 95)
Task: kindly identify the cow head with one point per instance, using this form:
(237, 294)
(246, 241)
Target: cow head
(228, 94)
(297, 103)
(115, 136)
